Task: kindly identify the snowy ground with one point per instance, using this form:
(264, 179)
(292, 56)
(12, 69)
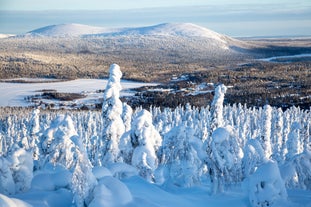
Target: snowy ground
(13, 94)
(146, 194)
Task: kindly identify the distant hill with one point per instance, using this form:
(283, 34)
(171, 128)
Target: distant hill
(6, 36)
(167, 30)
(68, 30)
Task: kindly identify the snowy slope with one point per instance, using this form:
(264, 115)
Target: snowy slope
(165, 29)
(70, 30)
(170, 29)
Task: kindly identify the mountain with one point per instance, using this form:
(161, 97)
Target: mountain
(68, 30)
(168, 30)
(165, 29)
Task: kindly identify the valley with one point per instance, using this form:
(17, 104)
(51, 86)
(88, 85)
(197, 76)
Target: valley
(164, 54)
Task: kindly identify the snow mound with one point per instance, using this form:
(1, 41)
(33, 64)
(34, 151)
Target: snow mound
(266, 186)
(67, 30)
(11, 202)
(111, 192)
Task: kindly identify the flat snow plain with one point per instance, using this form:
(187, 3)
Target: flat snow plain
(14, 94)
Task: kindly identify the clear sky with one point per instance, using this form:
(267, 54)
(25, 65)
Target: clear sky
(130, 4)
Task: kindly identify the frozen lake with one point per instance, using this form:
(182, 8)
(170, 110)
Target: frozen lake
(13, 94)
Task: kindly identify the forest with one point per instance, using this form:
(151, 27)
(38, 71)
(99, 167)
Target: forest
(220, 146)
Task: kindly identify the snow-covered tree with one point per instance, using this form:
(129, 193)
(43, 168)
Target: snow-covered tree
(253, 157)
(58, 146)
(217, 119)
(226, 158)
(64, 147)
(112, 117)
(22, 169)
(34, 129)
(83, 181)
(146, 141)
(180, 160)
(266, 131)
(7, 185)
(266, 186)
(294, 146)
(277, 136)
(127, 116)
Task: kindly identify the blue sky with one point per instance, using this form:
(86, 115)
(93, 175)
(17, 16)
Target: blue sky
(128, 4)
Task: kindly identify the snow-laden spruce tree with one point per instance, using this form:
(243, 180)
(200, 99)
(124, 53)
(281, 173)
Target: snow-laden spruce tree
(180, 161)
(146, 141)
(127, 116)
(266, 186)
(62, 146)
(57, 143)
(294, 145)
(3, 145)
(253, 157)
(112, 110)
(7, 185)
(277, 136)
(22, 169)
(217, 119)
(83, 181)
(226, 158)
(266, 131)
(34, 129)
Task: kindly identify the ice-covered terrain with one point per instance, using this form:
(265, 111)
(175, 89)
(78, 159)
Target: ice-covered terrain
(14, 94)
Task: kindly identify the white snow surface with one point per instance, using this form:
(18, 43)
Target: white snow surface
(137, 192)
(13, 94)
(68, 30)
(2, 36)
(165, 29)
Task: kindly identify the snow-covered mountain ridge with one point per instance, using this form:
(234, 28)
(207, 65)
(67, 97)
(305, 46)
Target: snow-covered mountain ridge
(68, 30)
(187, 30)
(167, 30)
